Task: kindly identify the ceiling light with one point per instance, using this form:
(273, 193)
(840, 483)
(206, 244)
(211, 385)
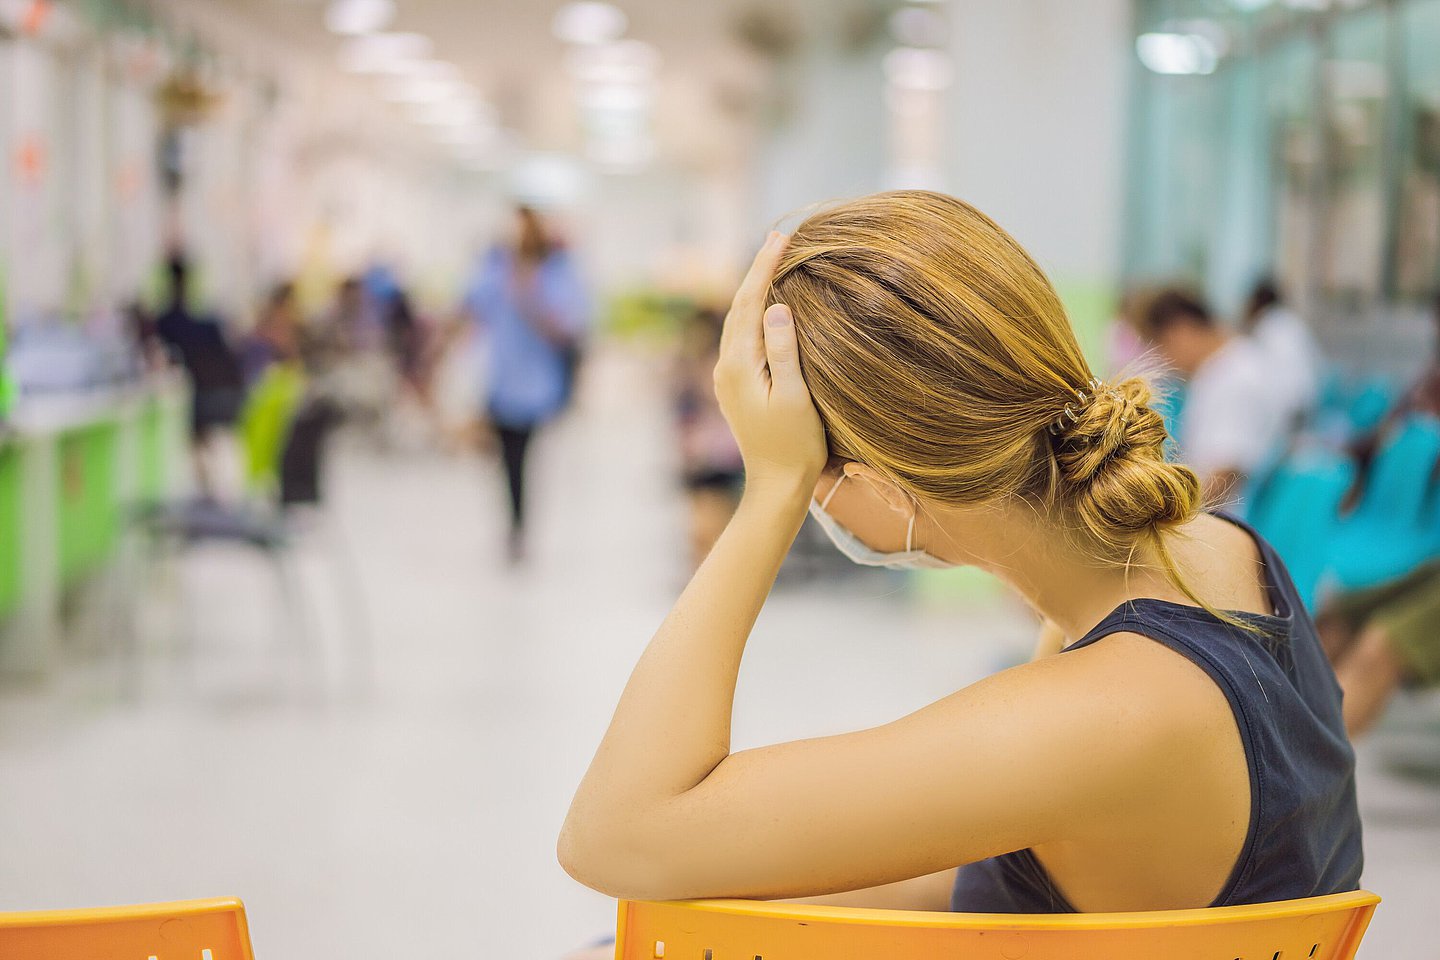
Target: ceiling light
(917, 69)
(616, 98)
(588, 21)
(428, 70)
(383, 52)
(627, 61)
(1177, 53)
(621, 155)
(548, 180)
(454, 114)
(355, 17)
(471, 137)
(408, 89)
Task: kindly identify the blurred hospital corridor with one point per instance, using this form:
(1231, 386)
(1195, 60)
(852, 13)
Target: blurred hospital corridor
(359, 822)
(407, 408)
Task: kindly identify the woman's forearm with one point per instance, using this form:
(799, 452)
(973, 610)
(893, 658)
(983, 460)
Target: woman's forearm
(672, 726)
(931, 892)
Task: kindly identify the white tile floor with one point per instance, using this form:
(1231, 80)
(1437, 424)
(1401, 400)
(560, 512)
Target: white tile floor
(423, 819)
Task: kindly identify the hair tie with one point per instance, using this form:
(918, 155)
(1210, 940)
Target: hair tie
(1070, 413)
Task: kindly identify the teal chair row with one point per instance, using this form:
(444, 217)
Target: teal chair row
(1393, 528)
(1396, 525)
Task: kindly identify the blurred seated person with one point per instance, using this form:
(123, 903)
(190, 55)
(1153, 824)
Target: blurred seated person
(1296, 365)
(334, 335)
(1388, 636)
(276, 337)
(1422, 397)
(405, 339)
(198, 344)
(710, 459)
(1232, 421)
(1381, 639)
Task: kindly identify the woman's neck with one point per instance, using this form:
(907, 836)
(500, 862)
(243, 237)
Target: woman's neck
(1060, 579)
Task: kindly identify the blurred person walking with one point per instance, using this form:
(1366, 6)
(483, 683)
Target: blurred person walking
(528, 299)
(1231, 423)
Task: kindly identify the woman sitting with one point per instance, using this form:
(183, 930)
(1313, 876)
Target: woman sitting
(903, 370)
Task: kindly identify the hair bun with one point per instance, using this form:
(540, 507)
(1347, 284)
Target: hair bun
(1110, 453)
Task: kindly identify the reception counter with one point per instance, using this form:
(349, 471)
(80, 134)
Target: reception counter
(71, 468)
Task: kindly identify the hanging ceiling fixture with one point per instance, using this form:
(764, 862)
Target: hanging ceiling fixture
(352, 18)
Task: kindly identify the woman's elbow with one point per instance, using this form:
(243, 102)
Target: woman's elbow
(612, 866)
(574, 855)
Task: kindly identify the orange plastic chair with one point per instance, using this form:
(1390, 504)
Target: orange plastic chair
(187, 930)
(1321, 928)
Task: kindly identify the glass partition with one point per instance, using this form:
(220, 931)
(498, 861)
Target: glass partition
(1300, 139)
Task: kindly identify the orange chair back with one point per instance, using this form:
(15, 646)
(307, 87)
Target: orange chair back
(188, 930)
(1322, 928)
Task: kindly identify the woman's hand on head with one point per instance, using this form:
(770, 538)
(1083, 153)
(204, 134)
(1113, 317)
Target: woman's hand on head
(761, 389)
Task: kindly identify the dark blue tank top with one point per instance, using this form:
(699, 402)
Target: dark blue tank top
(1304, 835)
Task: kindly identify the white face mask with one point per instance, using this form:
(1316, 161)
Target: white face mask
(859, 552)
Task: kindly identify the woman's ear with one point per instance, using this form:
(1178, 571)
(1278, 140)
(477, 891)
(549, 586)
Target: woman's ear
(895, 498)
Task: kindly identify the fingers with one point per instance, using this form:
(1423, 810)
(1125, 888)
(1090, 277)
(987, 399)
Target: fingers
(742, 324)
(762, 269)
(781, 352)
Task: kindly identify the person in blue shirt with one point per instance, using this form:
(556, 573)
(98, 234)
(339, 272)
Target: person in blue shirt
(528, 298)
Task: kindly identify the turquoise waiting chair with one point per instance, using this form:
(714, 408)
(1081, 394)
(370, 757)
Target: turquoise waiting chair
(1297, 509)
(1393, 529)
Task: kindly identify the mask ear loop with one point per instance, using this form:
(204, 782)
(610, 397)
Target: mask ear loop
(831, 495)
(910, 534)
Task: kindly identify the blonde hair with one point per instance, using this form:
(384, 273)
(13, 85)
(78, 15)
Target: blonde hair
(938, 354)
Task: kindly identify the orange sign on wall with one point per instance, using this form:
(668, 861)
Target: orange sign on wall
(32, 19)
(31, 160)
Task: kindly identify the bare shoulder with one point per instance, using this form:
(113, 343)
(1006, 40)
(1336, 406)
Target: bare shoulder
(1220, 535)
(1123, 702)
(1157, 681)
(1222, 564)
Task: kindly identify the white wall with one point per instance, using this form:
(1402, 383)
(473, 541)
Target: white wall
(1034, 127)
(1038, 114)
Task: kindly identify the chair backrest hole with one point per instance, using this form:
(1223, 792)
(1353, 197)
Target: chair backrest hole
(1312, 950)
(659, 948)
(1277, 955)
(709, 954)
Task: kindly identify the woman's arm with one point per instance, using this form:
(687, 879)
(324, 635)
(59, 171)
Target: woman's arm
(930, 892)
(682, 691)
(672, 727)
